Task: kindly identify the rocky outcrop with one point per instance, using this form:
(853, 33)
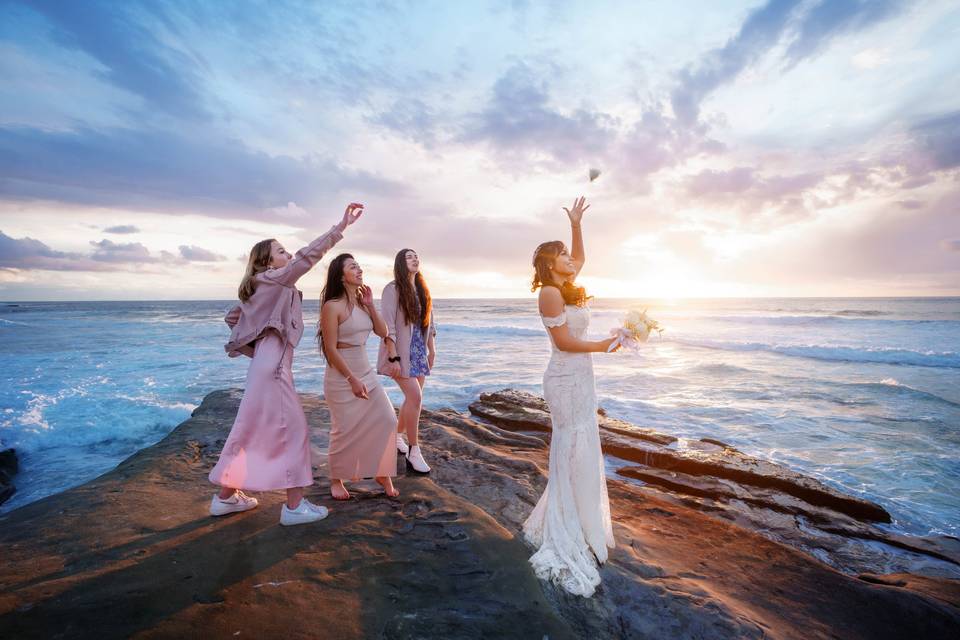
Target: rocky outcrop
(766, 497)
(134, 553)
(707, 457)
(9, 465)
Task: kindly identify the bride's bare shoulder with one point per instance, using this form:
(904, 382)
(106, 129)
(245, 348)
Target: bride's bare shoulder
(550, 302)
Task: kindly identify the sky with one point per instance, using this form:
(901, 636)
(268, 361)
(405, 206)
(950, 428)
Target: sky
(779, 148)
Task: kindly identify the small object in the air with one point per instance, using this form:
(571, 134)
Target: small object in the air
(594, 174)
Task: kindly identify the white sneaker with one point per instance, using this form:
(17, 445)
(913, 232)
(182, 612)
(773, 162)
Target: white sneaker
(237, 502)
(415, 458)
(402, 446)
(304, 513)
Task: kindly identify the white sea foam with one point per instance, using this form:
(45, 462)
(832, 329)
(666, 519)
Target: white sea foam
(884, 355)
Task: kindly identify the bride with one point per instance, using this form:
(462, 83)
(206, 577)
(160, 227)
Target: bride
(570, 525)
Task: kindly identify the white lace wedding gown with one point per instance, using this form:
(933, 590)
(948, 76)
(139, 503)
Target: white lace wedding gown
(571, 522)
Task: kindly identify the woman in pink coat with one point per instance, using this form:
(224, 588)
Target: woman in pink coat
(269, 445)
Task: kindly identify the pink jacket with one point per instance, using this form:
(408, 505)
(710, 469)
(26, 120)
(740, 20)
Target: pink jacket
(398, 329)
(276, 302)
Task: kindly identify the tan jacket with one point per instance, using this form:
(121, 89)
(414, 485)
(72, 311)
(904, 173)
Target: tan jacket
(399, 330)
(276, 302)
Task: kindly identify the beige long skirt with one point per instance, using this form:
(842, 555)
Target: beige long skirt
(363, 432)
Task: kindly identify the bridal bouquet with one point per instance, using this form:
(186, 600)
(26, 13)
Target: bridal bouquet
(636, 329)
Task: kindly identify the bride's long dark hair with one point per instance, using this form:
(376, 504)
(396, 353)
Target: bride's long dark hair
(543, 259)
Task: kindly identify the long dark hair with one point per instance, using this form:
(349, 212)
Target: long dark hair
(258, 262)
(333, 289)
(543, 259)
(415, 301)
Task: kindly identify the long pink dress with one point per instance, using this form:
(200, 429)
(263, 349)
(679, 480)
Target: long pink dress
(269, 444)
(363, 440)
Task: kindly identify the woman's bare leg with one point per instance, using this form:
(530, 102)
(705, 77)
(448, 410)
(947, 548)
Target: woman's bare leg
(387, 483)
(337, 490)
(294, 496)
(410, 409)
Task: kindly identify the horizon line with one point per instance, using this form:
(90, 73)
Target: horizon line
(531, 297)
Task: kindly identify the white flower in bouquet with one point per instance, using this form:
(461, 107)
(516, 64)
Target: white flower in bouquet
(636, 328)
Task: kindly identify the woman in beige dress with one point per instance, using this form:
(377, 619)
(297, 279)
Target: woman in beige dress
(363, 423)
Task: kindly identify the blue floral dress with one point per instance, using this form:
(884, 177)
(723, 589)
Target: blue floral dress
(418, 354)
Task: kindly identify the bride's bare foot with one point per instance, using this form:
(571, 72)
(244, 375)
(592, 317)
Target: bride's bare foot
(387, 483)
(338, 491)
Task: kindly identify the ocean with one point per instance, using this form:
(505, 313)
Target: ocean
(862, 393)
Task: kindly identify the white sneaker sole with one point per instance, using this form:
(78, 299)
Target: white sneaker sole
(227, 509)
(413, 466)
(304, 518)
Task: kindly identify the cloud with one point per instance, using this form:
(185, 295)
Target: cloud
(829, 18)
(109, 251)
(122, 229)
(135, 49)
(291, 210)
(939, 139)
(519, 117)
(753, 194)
(910, 204)
(888, 243)
(710, 182)
(176, 172)
(657, 141)
(198, 254)
(808, 27)
(759, 33)
(28, 253)
(411, 118)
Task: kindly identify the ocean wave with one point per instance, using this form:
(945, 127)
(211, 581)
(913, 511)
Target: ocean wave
(841, 312)
(861, 312)
(882, 355)
(490, 330)
(891, 385)
(154, 401)
(720, 368)
(834, 320)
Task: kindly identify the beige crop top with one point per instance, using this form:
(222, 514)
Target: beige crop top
(355, 330)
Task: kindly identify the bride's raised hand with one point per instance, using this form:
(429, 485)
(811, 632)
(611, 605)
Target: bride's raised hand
(576, 213)
(352, 213)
